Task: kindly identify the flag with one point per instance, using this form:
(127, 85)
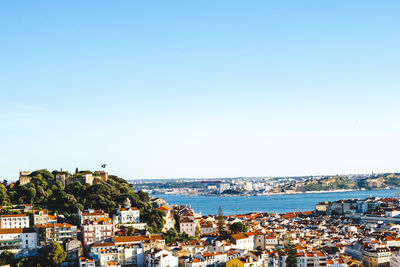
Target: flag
(104, 165)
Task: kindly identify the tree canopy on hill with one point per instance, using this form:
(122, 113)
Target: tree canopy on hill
(44, 191)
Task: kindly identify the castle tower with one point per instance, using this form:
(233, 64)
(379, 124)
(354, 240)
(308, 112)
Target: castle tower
(102, 175)
(127, 203)
(24, 177)
(61, 177)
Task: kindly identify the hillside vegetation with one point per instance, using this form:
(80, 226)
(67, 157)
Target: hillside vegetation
(383, 180)
(44, 191)
(330, 183)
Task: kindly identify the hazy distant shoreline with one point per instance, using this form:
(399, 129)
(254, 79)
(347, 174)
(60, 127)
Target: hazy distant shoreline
(279, 193)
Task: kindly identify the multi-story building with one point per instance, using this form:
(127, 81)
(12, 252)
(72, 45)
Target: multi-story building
(18, 238)
(126, 253)
(207, 228)
(213, 258)
(275, 259)
(307, 259)
(58, 232)
(376, 256)
(128, 214)
(271, 240)
(395, 260)
(336, 263)
(245, 261)
(97, 230)
(86, 262)
(40, 216)
(161, 258)
(195, 263)
(188, 226)
(91, 214)
(14, 221)
(243, 241)
(169, 220)
(108, 257)
(74, 250)
(43, 217)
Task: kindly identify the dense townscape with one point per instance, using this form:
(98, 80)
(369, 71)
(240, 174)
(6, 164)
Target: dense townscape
(270, 185)
(62, 219)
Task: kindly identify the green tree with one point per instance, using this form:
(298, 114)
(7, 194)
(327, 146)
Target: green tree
(171, 236)
(238, 227)
(291, 252)
(55, 254)
(30, 193)
(3, 195)
(39, 180)
(143, 196)
(44, 173)
(220, 220)
(7, 257)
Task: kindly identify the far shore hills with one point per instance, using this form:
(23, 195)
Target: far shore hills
(276, 186)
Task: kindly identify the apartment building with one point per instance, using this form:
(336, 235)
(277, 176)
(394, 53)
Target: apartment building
(188, 226)
(161, 258)
(14, 221)
(128, 214)
(126, 253)
(58, 232)
(91, 214)
(97, 230)
(376, 256)
(18, 238)
(42, 216)
(315, 259)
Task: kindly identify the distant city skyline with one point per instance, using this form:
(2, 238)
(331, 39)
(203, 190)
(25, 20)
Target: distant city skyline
(173, 89)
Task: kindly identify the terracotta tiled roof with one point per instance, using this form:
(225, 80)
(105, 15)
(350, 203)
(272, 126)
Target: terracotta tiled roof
(239, 236)
(130, 239)
(14, 215)
(15, 231)
(103, 245)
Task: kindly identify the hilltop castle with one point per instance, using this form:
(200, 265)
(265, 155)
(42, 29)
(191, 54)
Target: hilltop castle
(84, 177)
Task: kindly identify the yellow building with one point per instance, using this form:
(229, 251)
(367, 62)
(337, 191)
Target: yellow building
(245, 261)
(376, 257)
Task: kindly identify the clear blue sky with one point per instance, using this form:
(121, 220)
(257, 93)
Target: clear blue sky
(200, 88)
